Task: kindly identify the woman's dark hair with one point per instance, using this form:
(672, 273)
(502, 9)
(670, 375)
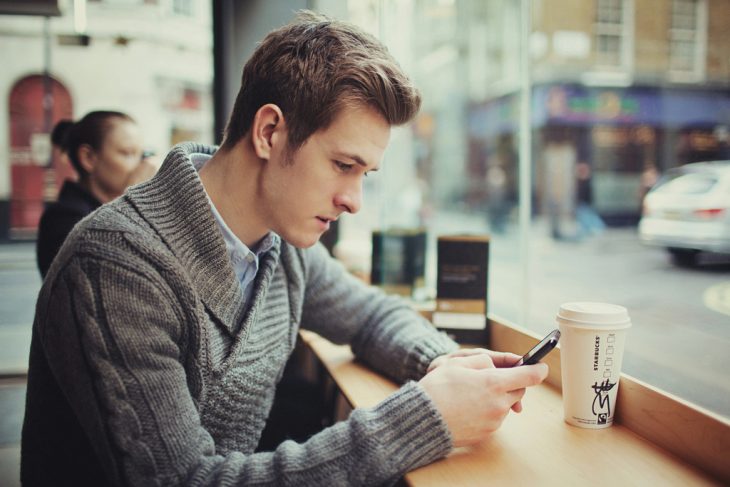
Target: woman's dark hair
(58, 136)
(90, 130)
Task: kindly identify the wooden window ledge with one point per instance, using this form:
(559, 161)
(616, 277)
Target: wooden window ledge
(657, 439)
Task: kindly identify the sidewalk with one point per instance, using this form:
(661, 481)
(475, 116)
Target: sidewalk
(19, 285)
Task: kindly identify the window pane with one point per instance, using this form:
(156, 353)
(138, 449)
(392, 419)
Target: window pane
(682, 55)
(599, 148)
(609, 49)
(133, 57)
(608, 31)
(684, 36)
(598, 145)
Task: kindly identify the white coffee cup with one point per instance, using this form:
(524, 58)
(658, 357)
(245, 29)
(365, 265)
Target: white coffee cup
(592, 342)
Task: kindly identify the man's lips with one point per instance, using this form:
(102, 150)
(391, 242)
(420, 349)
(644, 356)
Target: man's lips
(326, 219)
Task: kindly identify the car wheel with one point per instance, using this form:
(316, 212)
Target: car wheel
(684, 257)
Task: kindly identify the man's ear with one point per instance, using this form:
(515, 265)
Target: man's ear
(267, 130)
(87, 158)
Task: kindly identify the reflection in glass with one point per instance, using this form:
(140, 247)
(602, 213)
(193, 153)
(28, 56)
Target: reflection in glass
(622, 91)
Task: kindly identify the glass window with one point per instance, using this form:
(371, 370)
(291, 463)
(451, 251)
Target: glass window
(686, 36)
(609, 32)
(135, 60)
(559, 185)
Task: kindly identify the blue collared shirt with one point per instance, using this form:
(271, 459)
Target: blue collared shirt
(245, 261)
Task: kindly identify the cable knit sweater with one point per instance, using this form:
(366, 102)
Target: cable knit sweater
(147, 369)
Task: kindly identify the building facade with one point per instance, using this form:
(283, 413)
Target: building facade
(622, 90)
(151, 59)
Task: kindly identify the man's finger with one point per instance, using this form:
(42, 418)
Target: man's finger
(476, 361)
(515, 398)
(504, 359)
(513, 378)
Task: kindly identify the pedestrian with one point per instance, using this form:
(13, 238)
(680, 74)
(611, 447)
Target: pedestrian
(560, 162)
(163, 326)
(105, 149)
(589, 221)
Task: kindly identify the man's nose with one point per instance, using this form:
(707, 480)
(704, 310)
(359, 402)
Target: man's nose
(349, 199)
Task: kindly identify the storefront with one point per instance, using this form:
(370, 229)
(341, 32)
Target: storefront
(611, 143)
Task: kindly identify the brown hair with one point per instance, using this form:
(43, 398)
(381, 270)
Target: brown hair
(314, 67)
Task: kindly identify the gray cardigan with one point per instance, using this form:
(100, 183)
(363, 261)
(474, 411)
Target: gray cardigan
(147, 369)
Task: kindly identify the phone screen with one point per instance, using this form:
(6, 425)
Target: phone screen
(540, 350)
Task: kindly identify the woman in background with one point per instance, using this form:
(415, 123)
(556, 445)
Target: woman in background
(105, 149)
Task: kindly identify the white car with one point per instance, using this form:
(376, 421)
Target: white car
(688, 211)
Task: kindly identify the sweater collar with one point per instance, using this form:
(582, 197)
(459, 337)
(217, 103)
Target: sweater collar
(176, 205)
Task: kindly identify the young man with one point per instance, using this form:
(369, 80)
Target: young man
(164, 324)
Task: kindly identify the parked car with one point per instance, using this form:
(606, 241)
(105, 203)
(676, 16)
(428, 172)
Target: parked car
(688, 211)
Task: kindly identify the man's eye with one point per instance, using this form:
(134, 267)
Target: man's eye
(343, 167)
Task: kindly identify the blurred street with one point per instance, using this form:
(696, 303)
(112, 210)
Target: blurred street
(19, 285)
(680, 336)
(681, 316)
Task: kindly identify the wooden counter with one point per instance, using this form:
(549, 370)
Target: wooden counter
(535, 447)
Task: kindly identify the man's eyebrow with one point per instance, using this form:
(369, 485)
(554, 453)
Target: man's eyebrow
(355, 158)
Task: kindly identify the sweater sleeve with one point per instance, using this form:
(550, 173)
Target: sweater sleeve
(120, 363)
(384, 331)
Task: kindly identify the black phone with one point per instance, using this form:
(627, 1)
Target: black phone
(540, 350)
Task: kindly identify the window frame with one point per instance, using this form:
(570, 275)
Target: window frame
(622, 30)
(696, 37)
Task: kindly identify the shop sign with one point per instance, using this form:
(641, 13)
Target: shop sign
(608, 105)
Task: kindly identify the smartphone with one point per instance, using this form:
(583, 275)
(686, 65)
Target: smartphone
(540, 350)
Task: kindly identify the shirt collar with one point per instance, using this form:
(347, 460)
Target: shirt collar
(234, 245)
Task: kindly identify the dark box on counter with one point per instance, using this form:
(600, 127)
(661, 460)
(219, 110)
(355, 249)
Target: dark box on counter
(461, 288)
(398, 260)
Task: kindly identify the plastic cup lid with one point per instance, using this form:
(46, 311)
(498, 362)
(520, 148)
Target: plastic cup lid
(589, 313)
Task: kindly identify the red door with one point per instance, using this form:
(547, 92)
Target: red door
(35, 177)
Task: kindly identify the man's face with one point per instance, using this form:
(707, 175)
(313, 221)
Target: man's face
(302, 192)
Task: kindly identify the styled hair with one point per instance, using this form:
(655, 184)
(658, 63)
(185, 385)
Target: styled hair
(90, 130)
(311, 69)
(58, 135)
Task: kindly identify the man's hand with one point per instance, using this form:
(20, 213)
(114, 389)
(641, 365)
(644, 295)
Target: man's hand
(145, 170)
(500, 359)
(474, 396)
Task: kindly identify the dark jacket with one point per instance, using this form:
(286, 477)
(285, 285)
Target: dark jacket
(74, 203)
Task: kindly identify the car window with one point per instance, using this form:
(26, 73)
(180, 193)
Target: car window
(688, 184)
